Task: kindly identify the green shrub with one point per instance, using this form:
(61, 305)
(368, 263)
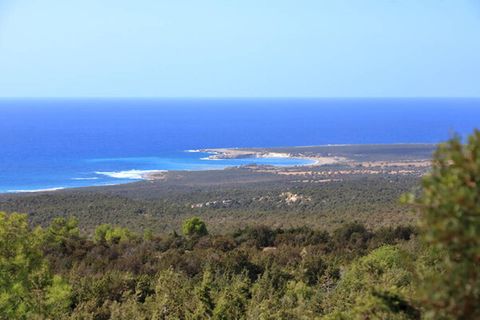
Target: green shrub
(106, 233)
(194, 227)
(385, 272)
(232, 303)
(173, 298)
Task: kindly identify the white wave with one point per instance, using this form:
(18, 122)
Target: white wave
(90, 178)
(193, 150)
(210, 158)
(37, 190)
(128, 174)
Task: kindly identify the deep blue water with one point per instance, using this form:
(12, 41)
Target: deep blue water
(71, 143)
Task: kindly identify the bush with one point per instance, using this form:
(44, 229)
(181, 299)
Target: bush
(352, 236)
(370, 283)
(232, 303)
(106, 233)
(261, 236)
(194, 227)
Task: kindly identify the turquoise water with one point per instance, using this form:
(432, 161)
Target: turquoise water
(45, 174)
(48, 144)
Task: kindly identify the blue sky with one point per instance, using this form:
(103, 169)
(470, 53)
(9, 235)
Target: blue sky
(244, 48)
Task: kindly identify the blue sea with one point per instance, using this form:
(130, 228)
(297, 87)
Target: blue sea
(52, 144)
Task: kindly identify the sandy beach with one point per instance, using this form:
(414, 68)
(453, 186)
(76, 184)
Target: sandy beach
(233, 153)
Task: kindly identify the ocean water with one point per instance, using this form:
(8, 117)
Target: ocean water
(50, 144)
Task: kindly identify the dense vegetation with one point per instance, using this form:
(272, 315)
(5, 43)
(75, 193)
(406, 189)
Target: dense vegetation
(255, 272)
(162, 206)
(353, 272)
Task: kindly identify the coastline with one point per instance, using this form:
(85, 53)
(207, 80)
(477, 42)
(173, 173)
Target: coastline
(237, 153)
(411, 155)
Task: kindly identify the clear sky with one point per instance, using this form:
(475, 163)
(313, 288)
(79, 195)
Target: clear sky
(239, 48)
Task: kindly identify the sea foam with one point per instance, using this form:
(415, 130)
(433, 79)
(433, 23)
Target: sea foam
(36, 190)
(210, 158)
(128, 174)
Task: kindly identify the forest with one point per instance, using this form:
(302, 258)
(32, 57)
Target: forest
(224, 206)
(425, 268)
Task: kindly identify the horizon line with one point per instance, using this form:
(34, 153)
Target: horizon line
(233, 98)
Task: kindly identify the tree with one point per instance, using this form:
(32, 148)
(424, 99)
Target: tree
(194, 227)
(205, 304)
(450, 224)
(106, 233)
(173, 297)
(27, 288)
(61, 229)
(60, 237)
(232, 303)
(101, 233)
(375, 287)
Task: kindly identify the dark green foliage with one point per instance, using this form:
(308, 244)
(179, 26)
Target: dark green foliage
(116, 275)
(391, 235)
(262, 236)
(352, 237)
(450, 224)
(397, 305)
(162, 206)
(312, 266)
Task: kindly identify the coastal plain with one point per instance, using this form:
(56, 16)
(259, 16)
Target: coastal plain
(343, 183)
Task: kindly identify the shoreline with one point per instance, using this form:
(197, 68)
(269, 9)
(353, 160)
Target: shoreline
(395, 154)
(241, 153)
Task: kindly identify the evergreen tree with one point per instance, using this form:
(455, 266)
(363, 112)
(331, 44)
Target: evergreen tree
(27, 288)
(194, 227)
(232, 303)
(205, 304)
(450, 224)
